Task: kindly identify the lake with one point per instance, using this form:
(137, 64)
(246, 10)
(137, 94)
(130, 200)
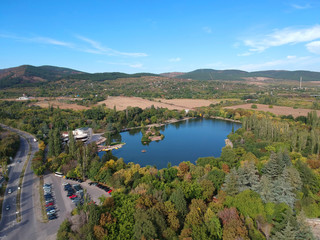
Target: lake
(184, 141)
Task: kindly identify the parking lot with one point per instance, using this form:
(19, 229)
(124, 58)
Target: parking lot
(93, 191)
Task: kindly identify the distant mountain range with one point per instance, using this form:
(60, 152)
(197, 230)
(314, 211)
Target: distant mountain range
(28, 75)
(210, 74)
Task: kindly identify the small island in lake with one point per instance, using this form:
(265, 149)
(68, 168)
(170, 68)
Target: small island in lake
(152, 134)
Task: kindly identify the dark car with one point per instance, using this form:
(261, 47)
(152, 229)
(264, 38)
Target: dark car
(52, 216)
(77, 187)
(8, 207)
(48, 209)
(69, 194)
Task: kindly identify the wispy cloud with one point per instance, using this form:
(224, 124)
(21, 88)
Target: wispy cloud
(43, 40)
(314, 47)
(177, 59)
(283, 37)
(132, 65)
(284, 63)
(207, 29)
(89, 46)
(301, 7)
(97, 48)
(245, 54)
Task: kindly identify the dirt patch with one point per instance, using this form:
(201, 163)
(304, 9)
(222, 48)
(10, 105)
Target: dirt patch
(60, 104)
(122, 103)
(189, 103)
(278, 110)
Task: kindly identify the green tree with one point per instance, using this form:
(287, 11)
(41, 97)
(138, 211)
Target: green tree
(143, 227)
(178, 198)
(231, 184)
(248, 177)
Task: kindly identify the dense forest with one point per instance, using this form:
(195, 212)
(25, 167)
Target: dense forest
(263, 187)
(9, 144)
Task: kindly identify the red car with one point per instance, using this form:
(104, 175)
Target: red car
(109, 191)
(49, 204)
(72, 196)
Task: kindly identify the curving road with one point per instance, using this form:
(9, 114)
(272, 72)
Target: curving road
(9, 227)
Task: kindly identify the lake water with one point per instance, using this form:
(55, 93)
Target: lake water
(184, 141)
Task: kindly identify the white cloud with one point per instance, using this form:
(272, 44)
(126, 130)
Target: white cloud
(177, 59)
(285, 63)
(244, 54)
(207, 29)
(94, 46)
(132, 65)
(136, 65)
(97, 48)
(283, 37)
(43, 40)
(314, 47)
(301, 7)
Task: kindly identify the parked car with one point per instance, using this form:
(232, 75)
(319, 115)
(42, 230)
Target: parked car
(49, 204)
(49, 201)
(9, 190)
(8, 207)
(77, 187)
(48, 209)
(52, 216)
(73, 196)
(110, 191)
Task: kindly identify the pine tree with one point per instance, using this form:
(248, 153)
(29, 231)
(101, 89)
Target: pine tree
(56, 142)
(265, 189)
(274, 167)
(72, 144)
(283, 191)
(303, 229)
(288, 233)
(248, 177)
(51, 144)
(231, 185)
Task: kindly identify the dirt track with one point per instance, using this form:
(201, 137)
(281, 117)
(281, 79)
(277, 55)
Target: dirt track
(278, 110)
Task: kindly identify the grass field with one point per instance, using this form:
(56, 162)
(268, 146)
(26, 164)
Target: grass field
(278, 110)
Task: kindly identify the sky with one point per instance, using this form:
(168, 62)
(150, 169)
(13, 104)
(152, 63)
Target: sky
(161, 35)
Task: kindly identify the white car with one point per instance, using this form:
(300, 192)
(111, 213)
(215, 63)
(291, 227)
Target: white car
(9, 190)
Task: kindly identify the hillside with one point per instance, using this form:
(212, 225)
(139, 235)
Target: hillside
(27, 75)
(30, 75)
(211, 74)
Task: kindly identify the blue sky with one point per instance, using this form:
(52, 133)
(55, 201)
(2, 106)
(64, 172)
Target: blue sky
(161, 36)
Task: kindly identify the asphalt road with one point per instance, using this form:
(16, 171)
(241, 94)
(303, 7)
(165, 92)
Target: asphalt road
(9, 227)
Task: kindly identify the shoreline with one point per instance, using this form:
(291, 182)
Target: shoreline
(158, 124)
(226, 119)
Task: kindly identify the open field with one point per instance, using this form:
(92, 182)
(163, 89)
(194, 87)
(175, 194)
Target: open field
(60, 104)
(278, 110)
(122, 103)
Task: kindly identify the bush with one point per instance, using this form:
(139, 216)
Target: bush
(254, 106)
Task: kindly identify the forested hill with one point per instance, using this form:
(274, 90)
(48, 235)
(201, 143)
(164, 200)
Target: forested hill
(27, 75)
(211, 74)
